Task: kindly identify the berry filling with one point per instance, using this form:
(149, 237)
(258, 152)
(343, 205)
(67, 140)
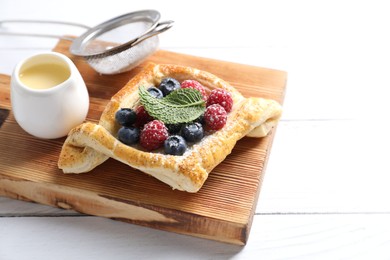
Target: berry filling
(125, 116)
(192, 132)
(128, 135)
(221, 97)
(142, 117)
(173, 137)
(215, 117)
(195, 85)
(168, 85)
(155, 92)
(175, 145)
(153, 135)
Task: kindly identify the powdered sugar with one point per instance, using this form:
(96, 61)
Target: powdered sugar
(124, 60)
(215, 117)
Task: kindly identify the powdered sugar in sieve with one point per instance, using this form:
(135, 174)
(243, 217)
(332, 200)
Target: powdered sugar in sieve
(124, 60)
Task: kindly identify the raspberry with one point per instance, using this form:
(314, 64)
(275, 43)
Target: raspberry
(142, 117)
(153, 135)
(221, 97)
(215, 116)
(195, 85)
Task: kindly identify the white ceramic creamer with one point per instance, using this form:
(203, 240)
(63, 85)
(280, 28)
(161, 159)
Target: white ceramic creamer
(48, 95)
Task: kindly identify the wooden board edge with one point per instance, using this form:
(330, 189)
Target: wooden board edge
(136, 213)
(5, 96)
(271, 138)
(189, 56)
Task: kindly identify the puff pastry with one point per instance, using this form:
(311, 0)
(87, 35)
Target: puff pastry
(88, 145)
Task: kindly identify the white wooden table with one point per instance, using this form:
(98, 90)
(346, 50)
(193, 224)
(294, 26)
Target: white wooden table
(326, 189)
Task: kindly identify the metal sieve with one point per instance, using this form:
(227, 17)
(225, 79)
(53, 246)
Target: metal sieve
(117, 45)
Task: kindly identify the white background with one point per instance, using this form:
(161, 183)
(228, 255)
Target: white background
(326, 189)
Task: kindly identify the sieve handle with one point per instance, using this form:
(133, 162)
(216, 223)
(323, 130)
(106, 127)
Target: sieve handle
(42, 22)
(37, 35)
(45, 21)
(159, 28)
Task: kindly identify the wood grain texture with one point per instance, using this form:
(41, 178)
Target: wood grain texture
(3, 115)
(222, 210)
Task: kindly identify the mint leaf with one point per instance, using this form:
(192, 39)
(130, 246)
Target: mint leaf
(180, 106)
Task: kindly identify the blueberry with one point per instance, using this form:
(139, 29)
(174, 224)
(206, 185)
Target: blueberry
(200, 119)
(155, 92)
(175, 145)
(173, 128)
(192, 132)
(125, 116)
(168, 85)
(128, 135)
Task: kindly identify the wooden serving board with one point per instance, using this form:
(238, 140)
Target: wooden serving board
(222, 210)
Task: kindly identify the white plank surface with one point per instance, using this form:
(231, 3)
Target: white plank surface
(273, 237)
(325, 192)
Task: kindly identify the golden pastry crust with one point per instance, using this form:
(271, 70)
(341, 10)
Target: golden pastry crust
(89, 144)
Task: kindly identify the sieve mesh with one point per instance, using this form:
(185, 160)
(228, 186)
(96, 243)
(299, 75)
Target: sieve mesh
(124, 60)
(113, 35)
(112, 58)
